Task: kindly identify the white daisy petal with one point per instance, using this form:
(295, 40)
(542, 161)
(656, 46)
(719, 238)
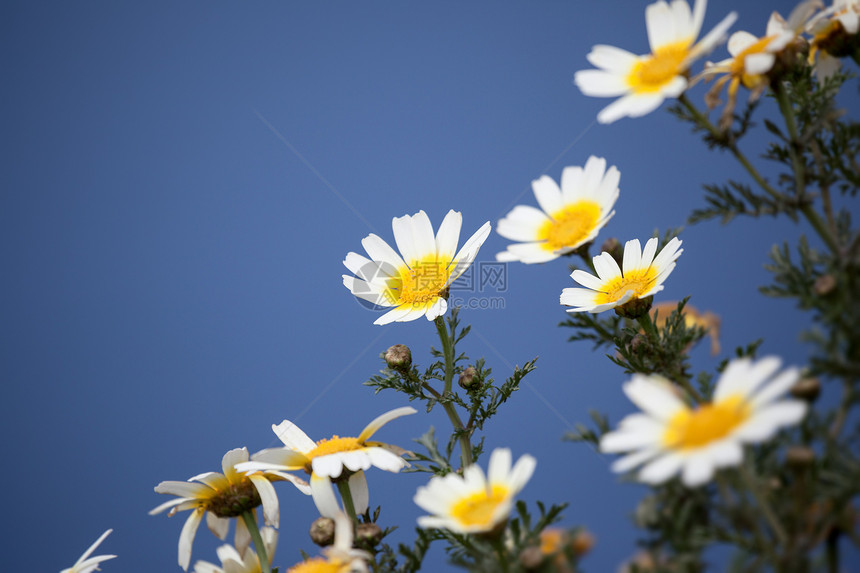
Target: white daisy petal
(186, 537)
(323, 495)
(360, 493)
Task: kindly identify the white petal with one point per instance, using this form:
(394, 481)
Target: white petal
(500, 465)
(588, 280)
(611, 58)
(329, 466)
(269, 498)
(661, 469)
(548, 194)
(606, 267)
(386, 460)
(775, 388)
(598, 83)
(758, 64)
(650, 394)
(219, 526)
(381, 251)
(186, 537)
(383, 419)
(698, 469)
(414, 237)
(632, 259)
(522, 472)
(635, 459)
(528, 253)
(448, 235)
(740, 41)
(360, 493)
(660, 24)
(322, 492)
(293, 437)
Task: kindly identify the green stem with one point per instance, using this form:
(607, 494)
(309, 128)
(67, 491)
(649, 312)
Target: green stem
(250, 519)
(448, 353)
(833, 553)
(650, 329)
(761, 499)
(346, 496)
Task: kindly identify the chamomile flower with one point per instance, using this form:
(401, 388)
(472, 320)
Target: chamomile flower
(330, 459)
(415, 284)
(475, 503)
(753, 57)
(232, 561)
(571, 215)
(643, 82)
(87, 564)
(642, 274)
(340, 557)
(670, 437)
(220, 497)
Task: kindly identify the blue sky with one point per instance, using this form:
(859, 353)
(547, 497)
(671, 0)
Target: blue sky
(182, 182)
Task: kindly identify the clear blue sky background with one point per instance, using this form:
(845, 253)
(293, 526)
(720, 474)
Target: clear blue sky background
(181, 181)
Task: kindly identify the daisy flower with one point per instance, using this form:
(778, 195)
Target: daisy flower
(642, 275)
(234, 562)
(327, 459)
(831, 30)
(643, 82)
(87, 564)
(220, 497)
(415, 284)
(340, 557)
(571, 215)
(753, 57)
(474, 503)
(669, 437)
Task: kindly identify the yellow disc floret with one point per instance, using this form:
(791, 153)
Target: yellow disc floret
(478, 508)
(708, 423)
(570, 226)
(334, 445)
(651, 74)
(639, 281)
(320, 565)
(423, 281)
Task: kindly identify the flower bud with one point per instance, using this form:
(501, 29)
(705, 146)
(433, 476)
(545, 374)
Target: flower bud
(322, 531)
(614, 247)
(582, 542)
(824, 285)
(635, 308)
(531, 558)
(806, 389)
(799, 457)
(398, 357)
(469, 379)
(368, 534)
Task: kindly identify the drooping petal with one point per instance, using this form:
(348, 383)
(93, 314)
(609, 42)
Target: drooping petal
(324, 497)
(269, 498)
(383, 419)
(186, 537)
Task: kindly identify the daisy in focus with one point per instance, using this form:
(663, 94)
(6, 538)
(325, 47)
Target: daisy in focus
(220, 497)
(572, 215)
(475, 503)
(753, 57)
(328, 459)
(234, 562)
(643, 82)
(669, 437)
(834, 35)
(340, 557)
(415, 284)
(87, 564)
(642, 274)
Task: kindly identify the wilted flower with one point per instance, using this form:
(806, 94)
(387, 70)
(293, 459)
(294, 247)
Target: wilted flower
(474, 503)
(416, 284)
(86, 564)
(641, 275)
(328, 459)
(643, 82)
(572, 215)
(670, 437)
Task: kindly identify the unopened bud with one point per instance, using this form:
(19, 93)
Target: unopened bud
(322, 531)
(799, 457)
(531, 558)
(646, 515)
(824, 285)
(613, 247)
(582, 542)
(806, 389)
(635, 308)
(368, 534)
(469, 379)
(398, 357)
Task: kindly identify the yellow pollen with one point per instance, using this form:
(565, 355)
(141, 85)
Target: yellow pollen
(424, 281)
(651, 74)
(319, 565)
(478, 508)
(690, 429)
(334, 445)
(570, 226)
(639, 281)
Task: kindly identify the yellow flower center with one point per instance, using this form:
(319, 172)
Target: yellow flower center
(570, 226)
(738, 69)
(652, 73)
(423, 282)
(334, 445)
(639, 281)
(478, 508)
(319, 565)
(690, 429)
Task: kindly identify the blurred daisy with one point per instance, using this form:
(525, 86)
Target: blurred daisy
(86, 564)
(643, 82)
(642, 275)
(417, 284)
(220, 497)
(753, 57)
(833, 32)
(234, 562)
(340, 557)
(571, 216)
(669, 437)
(327, 459)
(474, 503)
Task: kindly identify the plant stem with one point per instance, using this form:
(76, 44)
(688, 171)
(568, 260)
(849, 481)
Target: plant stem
(346, 496)
(250, 519)
(448, 353)
(650, 329)
(764, 505)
